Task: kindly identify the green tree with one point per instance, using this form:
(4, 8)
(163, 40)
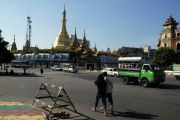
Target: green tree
(122, 52)
(165, 56)
(5, 55)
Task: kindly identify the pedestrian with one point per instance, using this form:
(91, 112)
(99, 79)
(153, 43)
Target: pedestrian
(109, 93)
(24, 69)
(101, 91)
(41, 70)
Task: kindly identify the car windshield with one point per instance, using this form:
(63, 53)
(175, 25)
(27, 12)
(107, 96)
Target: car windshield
(55, 66)
(155, 67)
(114, 69)
(74, 67)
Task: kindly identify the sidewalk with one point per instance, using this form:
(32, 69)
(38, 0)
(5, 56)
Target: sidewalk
(18, 111)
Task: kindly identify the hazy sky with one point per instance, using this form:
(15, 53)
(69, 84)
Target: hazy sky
(108, 23)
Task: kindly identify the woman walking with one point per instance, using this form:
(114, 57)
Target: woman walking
(109, 93)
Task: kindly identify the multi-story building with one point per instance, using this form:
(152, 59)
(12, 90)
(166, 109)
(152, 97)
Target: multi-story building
(170, 35)
(149, 52)
(132, 51)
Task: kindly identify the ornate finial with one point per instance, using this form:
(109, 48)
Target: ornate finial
(95, 48)
(64, 15)
(84, 38)
(14, 37)
(75, 33)
(84, 33)
(75, 30)
(170, 14)
(64, 12)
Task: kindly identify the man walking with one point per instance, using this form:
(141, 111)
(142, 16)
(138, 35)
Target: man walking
(101, 93)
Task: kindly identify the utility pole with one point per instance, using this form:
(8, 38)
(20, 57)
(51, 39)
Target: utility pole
(28, 32)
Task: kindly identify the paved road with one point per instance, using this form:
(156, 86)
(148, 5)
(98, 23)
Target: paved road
(130, 101)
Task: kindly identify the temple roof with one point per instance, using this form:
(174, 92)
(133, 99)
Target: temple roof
(74, 42)
(170, 21)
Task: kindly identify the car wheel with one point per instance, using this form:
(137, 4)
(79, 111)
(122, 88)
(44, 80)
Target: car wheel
(144, 82)
(115, 75)
(126, 81)
(177, 77)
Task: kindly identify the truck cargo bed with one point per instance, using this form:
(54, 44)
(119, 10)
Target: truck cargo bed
(129, 72)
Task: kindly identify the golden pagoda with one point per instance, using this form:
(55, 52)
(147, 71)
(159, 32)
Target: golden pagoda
(62, 40)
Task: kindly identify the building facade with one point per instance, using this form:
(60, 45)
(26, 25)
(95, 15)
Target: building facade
(170, 35)
(132, 51)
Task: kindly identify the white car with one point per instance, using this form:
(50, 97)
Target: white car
(56, 68)
(176, 75)
(70, 68)
(111, 71)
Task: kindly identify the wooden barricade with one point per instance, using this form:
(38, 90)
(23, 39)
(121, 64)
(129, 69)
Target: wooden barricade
(52, 99)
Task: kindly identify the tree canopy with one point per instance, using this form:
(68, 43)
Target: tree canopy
(165, 57)
(5, 55)
(121, 52)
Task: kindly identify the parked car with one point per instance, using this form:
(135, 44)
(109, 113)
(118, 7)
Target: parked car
(56, 68)
(69, 68)
(111, 71)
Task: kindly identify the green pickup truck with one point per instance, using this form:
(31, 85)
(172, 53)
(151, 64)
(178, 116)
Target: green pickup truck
(147, 75)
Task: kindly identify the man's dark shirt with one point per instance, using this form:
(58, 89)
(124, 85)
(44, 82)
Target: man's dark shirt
(101, 85)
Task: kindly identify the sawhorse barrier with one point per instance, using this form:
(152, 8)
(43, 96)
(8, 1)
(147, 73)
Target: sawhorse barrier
(52, 99)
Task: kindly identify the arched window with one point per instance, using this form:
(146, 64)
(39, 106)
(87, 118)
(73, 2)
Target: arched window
(178, 34)
(178, 47)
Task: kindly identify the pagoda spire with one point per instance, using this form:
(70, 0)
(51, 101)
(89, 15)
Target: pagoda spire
(84, 45)
(64, 12)
(63, 27)
(63, 37)
(14, 37)
(74, 44)
(14, 47)
(75, 34)
(95, 48)
(84, 38)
